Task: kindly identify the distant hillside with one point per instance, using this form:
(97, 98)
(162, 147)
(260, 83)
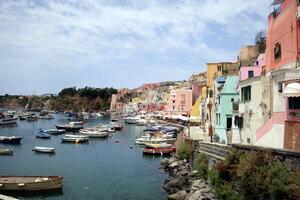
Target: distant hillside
(87, 99)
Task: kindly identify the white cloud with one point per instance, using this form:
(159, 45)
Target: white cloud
(106, 33)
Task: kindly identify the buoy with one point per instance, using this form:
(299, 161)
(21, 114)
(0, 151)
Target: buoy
(131, 146)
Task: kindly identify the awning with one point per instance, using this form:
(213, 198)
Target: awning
(292, 90)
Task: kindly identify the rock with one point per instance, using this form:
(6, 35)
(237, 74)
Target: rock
(196, 196)
(180, 195)
(209, 195)
(205, 190)
(199, 184)
(164, 161)
(176, 184)
(184, 160)
(173, 165)
(171, 160)
(193, 173)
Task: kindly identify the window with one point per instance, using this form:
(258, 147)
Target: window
(257, 62)
(173, 101)
(280, 87)
(219, 68)
(277, 51)
(294, 102)
(232, 99)
(246, 93)
(173, 107)
(250, 73)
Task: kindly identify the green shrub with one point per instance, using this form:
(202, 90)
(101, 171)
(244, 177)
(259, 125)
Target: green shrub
(185, 150)
(201, 165)
(252, 175)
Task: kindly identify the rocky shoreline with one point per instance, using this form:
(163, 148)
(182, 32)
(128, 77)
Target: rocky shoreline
(183, 182)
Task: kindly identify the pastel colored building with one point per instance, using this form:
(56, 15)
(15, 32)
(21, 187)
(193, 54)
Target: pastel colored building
(180, 102)
(215, 70)
(224, 107)
(270, 104)
(254, 70)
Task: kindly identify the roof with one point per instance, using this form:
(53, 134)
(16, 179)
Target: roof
(230, 86)
(292, 90)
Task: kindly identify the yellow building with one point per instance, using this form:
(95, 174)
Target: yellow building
(215, 70)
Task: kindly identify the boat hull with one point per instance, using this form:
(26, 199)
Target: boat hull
(8, 121)
(159, 151)
(6, 152)
(44, 150)
(69, 129)
(9, 140)
(30, 183)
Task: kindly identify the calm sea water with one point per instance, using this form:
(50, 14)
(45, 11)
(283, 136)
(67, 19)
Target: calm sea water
(101, 169)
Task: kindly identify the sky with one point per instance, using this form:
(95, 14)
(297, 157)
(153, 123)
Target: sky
(48, 45)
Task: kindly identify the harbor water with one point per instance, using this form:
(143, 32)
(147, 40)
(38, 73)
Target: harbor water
(101, 169)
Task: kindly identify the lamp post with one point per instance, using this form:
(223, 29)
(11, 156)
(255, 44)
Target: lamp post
(209, 105)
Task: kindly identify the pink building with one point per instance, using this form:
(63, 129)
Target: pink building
(180, 102)
(253, 71)
(117, 100)
(151, 107)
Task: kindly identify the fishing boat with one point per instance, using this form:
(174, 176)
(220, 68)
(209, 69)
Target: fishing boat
(159, 150)
(6, 151)
(8, 119)
(30, 183)
(71, 127)
(131, 120)
(10, 139)
(75, 138)
(48, 116)
(44, 149)
(41, 134)
(54, 131)
(32, 117)
(160, 145)
(95, 133)
(154, 140)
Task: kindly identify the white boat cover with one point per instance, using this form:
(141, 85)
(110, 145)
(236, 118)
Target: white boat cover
(292, 90)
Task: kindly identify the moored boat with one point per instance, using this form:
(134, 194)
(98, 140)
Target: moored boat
(10, 139)
(6, 151)
(71, 127)
(54, 131)
(7, 120)
(30, 183)
(75, 138)
(42, 135)
(159, 151)
(44, 149)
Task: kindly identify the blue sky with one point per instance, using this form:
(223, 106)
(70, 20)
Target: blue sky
(47, 45)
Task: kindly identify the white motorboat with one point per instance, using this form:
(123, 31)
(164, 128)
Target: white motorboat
(6, 120)
(54, 131)
(155, 140)
(159, 145)
(131, 120)
(71, 127)
(44, 149)
(142, 122)
(75, 138)
(94, 133)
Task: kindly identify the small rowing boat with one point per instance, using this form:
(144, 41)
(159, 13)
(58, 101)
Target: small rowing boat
(6, 151)
(30, 183)
(44, 149)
